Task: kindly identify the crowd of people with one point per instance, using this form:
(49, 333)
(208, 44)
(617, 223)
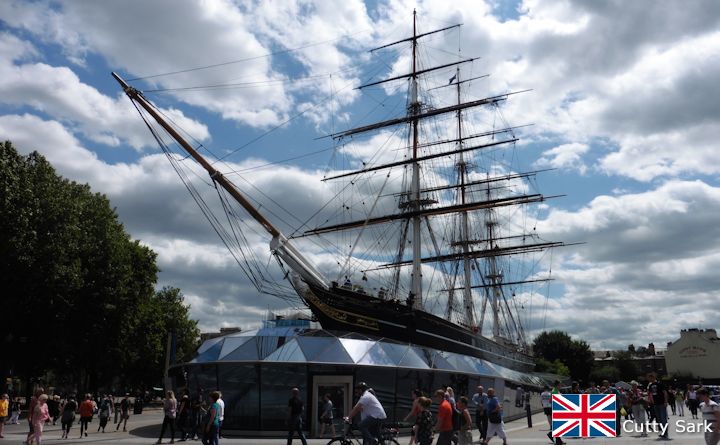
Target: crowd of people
(193, 417)
(453, 423)
(43, 409)
(647, 406)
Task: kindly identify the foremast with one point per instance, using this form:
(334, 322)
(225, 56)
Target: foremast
(415, 204)
(279, 244)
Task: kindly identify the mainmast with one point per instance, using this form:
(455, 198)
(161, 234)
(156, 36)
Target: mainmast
(469, 311)
(414, 108)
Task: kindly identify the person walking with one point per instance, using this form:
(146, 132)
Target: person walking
(53, 404)
(15, 411)
(183, 417)
(326, 418)
(495, 418)
(68, 416)
(480, 400)
(444, 424)
(31, 409)
(4, 409)
(660, 402)
(212, 427)
(221, 414)
(637, 405)
(39, 416)
(423, 422)
(465, 432)
(104, 412)
(680, 402)
(414, 411)
(710, 412)
(170, 410)
(546, 403)
(692, 401)
(295, 420)
(86, 414)
(124, 412)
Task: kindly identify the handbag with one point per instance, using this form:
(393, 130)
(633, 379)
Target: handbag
(494, 417)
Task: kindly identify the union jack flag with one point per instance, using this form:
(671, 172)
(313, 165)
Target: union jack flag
(583, 415)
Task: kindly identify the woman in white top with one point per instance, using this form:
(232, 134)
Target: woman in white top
(170, 409)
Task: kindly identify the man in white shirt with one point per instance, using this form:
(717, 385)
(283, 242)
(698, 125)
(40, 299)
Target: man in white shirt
(480, 399)
(710, 415)
(371, 414)
(546, 402)
(221, 414)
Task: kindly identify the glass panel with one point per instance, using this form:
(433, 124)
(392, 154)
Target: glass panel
(312, 347)
(437, 361)
(407, 380)
(276, 381)
(335, 353)
(239, 385)
(413, 360)
(394, 351)
(209, 355)
(207, 344)
(356, 348)
(382, 381)
(289, 352)
(377, 356)
(232, 343)
(202, 380)
(248, 351)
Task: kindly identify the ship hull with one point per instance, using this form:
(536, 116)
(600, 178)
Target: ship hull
(346, 310)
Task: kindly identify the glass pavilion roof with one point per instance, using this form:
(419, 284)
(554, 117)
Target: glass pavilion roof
(300, 344)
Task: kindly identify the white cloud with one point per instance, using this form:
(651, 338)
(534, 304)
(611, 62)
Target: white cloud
(569, 156)
(621, 89)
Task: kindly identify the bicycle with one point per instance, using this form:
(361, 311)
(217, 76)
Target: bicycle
(388, 436)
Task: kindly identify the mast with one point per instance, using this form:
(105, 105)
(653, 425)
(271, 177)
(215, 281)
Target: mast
(279, 244)
(416, 283)
(464, 228)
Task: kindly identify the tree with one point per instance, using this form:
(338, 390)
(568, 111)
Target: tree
(575, 354)
(73, 279)
(146, 333)
(626, 367)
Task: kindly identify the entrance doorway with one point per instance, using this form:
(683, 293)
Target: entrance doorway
(339, 387)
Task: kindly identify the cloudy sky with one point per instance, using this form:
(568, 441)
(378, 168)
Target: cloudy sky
(625, 106)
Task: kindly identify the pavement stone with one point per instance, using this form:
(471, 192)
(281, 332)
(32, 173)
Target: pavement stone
(145, 428)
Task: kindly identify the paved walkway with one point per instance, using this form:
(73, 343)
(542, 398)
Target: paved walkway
(145, 428)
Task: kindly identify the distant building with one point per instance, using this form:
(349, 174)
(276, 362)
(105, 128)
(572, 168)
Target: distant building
(223, 331)
(696, 354)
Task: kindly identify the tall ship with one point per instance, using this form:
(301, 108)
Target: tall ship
(427, 235)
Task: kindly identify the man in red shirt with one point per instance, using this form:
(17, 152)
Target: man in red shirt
(444, 425)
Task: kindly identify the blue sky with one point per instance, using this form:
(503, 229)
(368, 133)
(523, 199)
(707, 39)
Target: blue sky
(624, 104)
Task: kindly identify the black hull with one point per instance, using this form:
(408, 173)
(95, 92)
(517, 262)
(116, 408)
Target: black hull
(345, 310)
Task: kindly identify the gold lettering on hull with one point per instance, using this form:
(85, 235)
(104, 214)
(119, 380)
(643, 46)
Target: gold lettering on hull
(340, 315)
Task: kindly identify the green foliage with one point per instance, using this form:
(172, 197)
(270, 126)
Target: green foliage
(605, 372)
(626, 367)
(574, 354)
(145, 336)
(73, 280)
(556, 367)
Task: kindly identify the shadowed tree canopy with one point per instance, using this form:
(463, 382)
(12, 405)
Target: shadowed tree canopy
(79, 292)
(575, 354)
